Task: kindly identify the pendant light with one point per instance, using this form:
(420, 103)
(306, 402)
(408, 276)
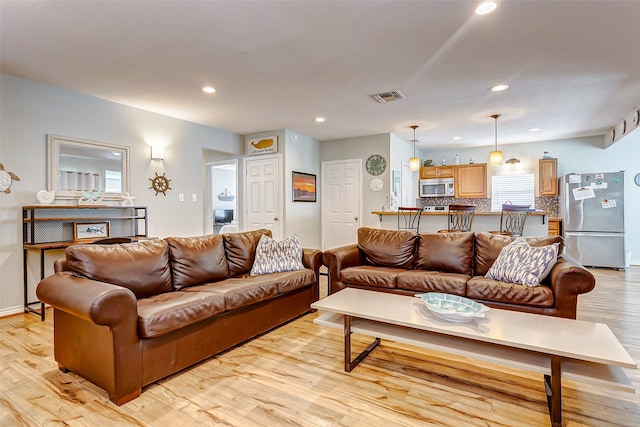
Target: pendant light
(414, 162)
(495, 157)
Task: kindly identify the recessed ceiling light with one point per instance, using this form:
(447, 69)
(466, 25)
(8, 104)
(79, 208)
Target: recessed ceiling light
(208, 89)
(535, 130)
(320, 119)
(455, 138)
(499, 88)
(486, 7)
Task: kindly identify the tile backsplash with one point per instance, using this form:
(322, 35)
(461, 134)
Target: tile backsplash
(550, 204)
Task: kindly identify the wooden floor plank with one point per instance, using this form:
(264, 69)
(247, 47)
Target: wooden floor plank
(294, 376)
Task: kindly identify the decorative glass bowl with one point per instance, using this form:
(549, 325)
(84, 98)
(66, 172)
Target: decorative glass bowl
(453, 307)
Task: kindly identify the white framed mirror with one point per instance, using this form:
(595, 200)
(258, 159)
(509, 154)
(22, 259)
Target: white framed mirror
(77, 165)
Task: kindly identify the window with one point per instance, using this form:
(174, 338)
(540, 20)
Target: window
(517, 189)
(113, 181)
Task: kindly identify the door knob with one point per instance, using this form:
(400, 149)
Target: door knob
(355, 218)
(275, 218)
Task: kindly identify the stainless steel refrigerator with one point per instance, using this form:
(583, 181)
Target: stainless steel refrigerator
(592, 207)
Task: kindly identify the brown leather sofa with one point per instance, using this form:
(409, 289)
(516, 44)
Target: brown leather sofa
(127, 315)
(456, 263)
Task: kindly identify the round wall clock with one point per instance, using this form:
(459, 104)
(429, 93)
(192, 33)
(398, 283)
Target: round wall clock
(376, 164)
(376, 184)
(637, 180)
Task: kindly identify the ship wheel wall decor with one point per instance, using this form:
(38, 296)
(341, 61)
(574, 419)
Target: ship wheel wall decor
(160, 184)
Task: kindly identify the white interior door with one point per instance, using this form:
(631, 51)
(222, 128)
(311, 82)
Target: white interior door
(407, 192)
(341, 202)
(263, 201)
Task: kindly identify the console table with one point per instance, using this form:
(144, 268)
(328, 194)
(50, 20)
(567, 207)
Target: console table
(50, 227)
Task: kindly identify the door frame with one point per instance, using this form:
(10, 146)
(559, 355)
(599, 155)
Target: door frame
(208, 202)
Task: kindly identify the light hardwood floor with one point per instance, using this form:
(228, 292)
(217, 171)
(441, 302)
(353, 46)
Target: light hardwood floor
(293, 376)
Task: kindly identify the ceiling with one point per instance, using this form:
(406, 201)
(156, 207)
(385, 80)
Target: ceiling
(573, 66)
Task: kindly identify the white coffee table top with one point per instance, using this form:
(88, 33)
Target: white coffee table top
(581, 340)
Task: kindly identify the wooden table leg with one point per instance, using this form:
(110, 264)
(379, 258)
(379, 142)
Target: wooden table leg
(553, 388)
(348, 363)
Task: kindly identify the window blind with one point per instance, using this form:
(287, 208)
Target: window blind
(517, 189)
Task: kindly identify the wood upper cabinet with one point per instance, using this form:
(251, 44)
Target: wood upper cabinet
(436, 172)
(548, 177)
(471, 180)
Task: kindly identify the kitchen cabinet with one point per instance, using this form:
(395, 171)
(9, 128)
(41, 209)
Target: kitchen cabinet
(548, 177)
(471, 180)
(428, 172)
(555, 227)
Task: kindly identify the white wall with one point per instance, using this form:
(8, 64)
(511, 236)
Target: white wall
(302, 218)
(578, 155)
(30, 110)
(401, 152)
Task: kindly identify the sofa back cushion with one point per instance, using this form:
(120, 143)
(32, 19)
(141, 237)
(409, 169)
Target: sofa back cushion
(488, 247)
(240, 250)
(141, 267)
(446, 252)
(197, 260)
(387, 248)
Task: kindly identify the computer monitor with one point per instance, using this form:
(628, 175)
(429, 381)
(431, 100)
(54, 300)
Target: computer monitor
(223, 216)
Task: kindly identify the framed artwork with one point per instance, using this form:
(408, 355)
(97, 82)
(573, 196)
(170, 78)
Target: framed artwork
(264, 145)
(304, 187)
(90, 230)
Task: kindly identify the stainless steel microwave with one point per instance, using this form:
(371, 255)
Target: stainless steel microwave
(439, 187)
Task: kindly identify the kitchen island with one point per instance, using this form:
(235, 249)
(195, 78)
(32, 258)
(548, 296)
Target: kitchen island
(431, 222)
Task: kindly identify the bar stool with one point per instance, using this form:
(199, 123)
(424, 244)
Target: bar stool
(409, 218)
(512, 219)
(460, 218)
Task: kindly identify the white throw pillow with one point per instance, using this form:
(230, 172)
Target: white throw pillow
(274, 256)
(523, 264)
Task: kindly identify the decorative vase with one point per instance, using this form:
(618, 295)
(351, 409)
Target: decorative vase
(45, 197)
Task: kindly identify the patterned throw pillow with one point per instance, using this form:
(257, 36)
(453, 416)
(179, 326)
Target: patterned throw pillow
(274, 256)
(523, 264)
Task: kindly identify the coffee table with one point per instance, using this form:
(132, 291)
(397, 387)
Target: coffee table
(553, 346)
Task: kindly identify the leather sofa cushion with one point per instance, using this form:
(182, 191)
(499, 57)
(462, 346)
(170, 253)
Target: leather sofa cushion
(168, 312)
(433, 281)
(488, 247)
(446, 252)
(241, 250)
(197, 260)
(367, 275)
(141, 267)
(387, 248)
(241, 291)
(493, 290)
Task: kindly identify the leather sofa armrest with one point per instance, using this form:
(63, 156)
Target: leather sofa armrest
(337, 259)
(312, 258)
(98, 302)
(60, 265)
(568, 280)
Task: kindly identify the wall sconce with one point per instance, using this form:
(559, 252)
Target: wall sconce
(157, 153)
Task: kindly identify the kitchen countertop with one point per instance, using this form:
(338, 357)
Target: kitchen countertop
(445, 213)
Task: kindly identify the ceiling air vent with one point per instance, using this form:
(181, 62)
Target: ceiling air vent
(392, 95)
